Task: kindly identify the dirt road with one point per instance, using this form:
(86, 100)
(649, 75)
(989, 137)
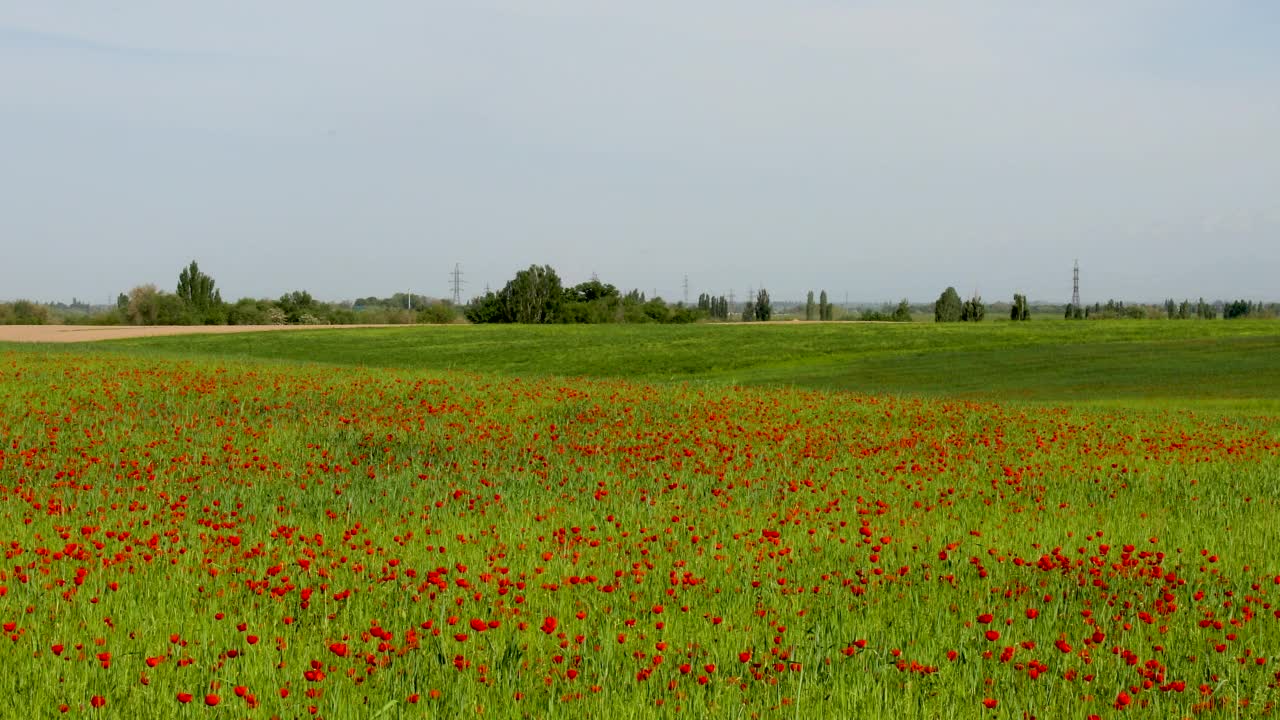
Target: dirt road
(90, 333)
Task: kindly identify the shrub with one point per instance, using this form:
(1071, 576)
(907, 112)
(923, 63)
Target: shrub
(25, 312)
(437, 313)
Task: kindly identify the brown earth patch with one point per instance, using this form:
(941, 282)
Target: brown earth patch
(91, 333)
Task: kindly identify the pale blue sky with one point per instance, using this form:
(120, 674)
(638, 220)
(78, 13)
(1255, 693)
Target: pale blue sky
(883, 149)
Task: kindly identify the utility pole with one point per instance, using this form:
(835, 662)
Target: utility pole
(686, 289)
(457, 283)
(410, 294)
(1075, 285)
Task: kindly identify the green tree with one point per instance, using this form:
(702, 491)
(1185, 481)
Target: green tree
(590, 302)
(764, 307)
(591, 291)
(486, 309)
(197, 291)
(824, 307)
(1241, 309)
(973, 310)
(247, 311)
(810, 308)
(1019, 310)
(720, 308)
(903, 312)
(948, 306)
(533, 295)
(299, 307)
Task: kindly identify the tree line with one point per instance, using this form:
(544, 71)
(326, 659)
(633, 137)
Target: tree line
(1173, 310)
(537, 295)
(1247, 309)
(949, 308)
(196, 300)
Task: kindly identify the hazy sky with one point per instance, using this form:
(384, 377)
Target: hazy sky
(883, 149)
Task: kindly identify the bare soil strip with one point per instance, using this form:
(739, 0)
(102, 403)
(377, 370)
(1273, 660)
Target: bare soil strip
(91, 333)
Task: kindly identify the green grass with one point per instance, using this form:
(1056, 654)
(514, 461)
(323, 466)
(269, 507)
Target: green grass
(188, 479)
(163, 511)
(1212, 366)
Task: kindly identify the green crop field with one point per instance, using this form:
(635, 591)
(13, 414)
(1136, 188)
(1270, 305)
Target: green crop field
(1229, 366)
(1048, 520)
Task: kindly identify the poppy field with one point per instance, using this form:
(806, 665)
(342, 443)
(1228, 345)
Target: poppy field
(221, 537)
(1231, 366)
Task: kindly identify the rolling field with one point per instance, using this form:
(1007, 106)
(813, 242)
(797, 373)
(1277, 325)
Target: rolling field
(1056, 520)
(1233, 366)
